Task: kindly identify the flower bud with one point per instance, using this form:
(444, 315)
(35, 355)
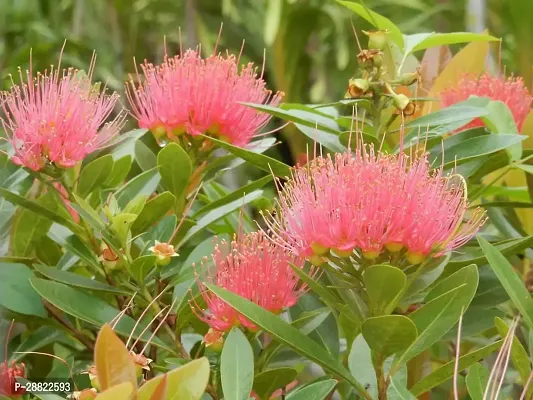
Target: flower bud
(370, 58)
(357, 88)
(141, 363)
(93, 377)
(409, 78)
(377, 39)
(214, 340)
(164, 253)
(109, 259)
(402, 103)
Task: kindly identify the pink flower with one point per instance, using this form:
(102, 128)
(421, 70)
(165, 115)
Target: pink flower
(510, 91)
(254, 268)
(201, 96)
(372, 203)
(55, 118)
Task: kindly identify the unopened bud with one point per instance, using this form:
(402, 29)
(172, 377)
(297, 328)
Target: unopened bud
(370, 58)
(357, 88)
(141, 363)
(404, 104)
(164, 253)
(377, 39)
(409, 78)
(93, 377)
(109, 259)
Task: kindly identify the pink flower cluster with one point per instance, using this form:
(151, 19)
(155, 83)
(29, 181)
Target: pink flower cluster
(189, 94)
(255, 269)
(56, 118)
(371, 202)
(510, 91)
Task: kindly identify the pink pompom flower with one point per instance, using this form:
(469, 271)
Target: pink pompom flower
(511, 91)
(195, 95)
(254, 268)
(375, 204)
(57, 118)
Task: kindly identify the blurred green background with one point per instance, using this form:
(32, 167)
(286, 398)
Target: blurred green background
(310, 47)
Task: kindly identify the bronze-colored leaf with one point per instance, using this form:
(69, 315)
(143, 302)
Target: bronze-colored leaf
(114, 364)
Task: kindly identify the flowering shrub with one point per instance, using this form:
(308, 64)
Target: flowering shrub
(133, 272)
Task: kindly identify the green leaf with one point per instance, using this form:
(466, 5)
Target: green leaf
(88, 213)
(377, 20)
(383, 284)
(33, 206)
(444, 305)
(330, 141)
(187, 382)
(94, 174)
(76, 280)
(72, 243)
(218, 213)
(477, 147)
(261, 161)
(286, 334)
(142, 184)
(153, 211)
(519, 355)
(16, 293)
(120, 170)
(462, 113)
(30, 227)
(141, 266)
(389, 334)
(175, 168)
(441, 39)
(38, 339)
(235, 195)
(267, 382)
(509, 279)
(236, 366)
(90, 309)
(121, 224)
(399, 390)
(477, 381)
(501, 120)
(445, 372)
(272, 21)
(361, 366)
(144, 156)
(314, 391)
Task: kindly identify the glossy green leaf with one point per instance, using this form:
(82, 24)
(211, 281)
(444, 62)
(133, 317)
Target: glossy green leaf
(118, 174)
(187, 382)
(94, 175)
(144, 156)
(510, 281)
(220, 212)
(41, 337)
(479, 146)
(267, 382)
(444, 305)
(122, 391)
(441, 39)
(286, 334)
(175, 168)
(315, 391)
(375, 19)
(235, 195)
(462, 113)
(477, 381)
(121, 225)
(88, 213)
(141, 266)
(361, 366)
(501, 120)
(261, 161)
(389, 334)
(399, 390)
(236, 366)
(16, 293)
(519, 356)
(77, 280)
(35, 207)
(30, 228)
(142, 184)
(383, 284)
(72, 243)
(75, 303)
(153, 211)
(446, 371)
